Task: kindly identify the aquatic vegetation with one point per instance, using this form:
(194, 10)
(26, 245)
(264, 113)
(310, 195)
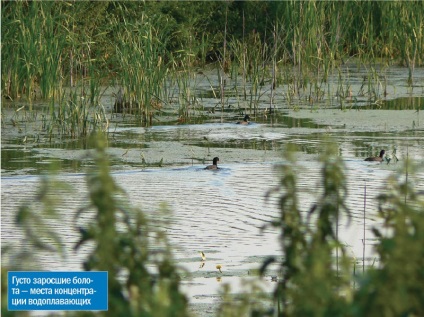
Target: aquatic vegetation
(150, 51)
(38, 227)
(288, 50)
(383, 290)
(219, 267)
(142, 65)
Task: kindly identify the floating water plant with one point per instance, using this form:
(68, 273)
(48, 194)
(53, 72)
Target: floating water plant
(219, 267)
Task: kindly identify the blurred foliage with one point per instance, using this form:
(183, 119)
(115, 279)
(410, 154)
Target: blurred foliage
(318, 277)
(396, 286)
(309, 240)
(122, 247)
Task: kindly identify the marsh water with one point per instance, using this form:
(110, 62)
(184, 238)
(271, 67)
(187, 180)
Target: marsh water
(223, 213)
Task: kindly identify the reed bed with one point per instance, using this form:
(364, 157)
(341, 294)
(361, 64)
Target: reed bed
(271, 49)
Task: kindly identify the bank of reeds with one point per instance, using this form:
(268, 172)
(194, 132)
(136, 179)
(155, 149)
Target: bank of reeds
(48, 46)
(142, 64)
(31, 51)
(44, 57)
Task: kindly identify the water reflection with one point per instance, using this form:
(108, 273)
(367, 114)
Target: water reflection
(403, 103)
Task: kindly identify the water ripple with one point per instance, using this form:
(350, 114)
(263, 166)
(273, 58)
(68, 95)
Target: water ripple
(218, 212)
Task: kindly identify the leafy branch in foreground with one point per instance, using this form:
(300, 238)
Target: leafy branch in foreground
(309, 240)
(123, 248)
(396, 287)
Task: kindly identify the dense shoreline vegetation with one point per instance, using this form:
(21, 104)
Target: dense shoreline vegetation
(67, 53)
(50, 45)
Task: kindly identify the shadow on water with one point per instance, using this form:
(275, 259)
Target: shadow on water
(404, 103)
(18, 161)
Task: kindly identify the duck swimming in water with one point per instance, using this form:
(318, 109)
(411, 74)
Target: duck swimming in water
(377, 158)
(245, 120)
(214, 166)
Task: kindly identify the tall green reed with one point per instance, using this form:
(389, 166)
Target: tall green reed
(32, 49)
(182, 76)
(42, 48)
(405, 24)
(48, 45)
(77, 117)
(224, 62)
(251, 57)
(143, 63)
